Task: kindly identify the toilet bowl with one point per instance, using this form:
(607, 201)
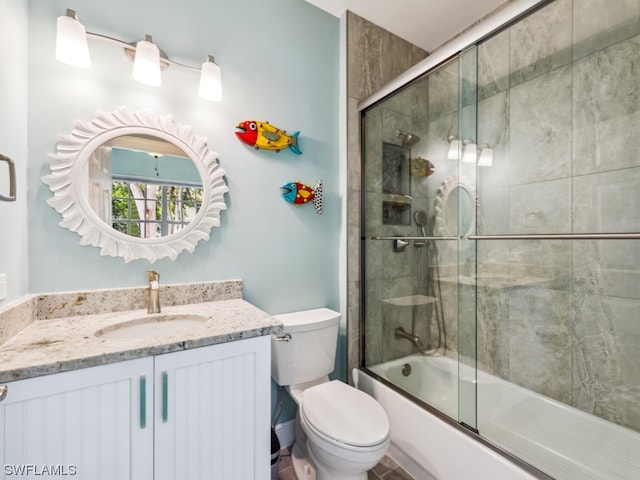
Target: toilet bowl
(347, 431)
(341, 432)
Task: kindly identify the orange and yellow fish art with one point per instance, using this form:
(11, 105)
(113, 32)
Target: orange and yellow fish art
(269, 137)
(299, 193)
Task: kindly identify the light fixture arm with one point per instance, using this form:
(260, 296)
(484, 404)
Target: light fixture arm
(72, 49)
(130, 51)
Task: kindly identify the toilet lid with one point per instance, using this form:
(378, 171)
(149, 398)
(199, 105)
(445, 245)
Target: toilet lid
(345, 414)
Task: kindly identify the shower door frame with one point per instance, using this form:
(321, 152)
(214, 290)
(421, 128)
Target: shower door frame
(508, 15)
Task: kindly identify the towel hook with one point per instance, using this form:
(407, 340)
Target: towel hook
(12, 180)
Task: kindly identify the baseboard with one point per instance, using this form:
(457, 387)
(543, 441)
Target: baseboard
(286, 433)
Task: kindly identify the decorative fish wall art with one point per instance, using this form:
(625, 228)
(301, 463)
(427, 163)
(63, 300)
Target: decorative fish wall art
(269, 137)
(299, 193)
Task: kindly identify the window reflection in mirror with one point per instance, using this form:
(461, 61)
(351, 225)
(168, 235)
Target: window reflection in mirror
(143, 186)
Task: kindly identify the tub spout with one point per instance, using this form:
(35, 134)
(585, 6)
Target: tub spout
(414, 339)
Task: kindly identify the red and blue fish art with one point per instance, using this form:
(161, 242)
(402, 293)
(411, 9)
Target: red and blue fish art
(299, 194)
(263, 135)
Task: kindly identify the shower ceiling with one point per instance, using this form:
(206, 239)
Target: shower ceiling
(425, 23)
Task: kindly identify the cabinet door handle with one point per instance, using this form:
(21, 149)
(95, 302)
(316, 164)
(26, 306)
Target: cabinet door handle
(165, 397)
(143, 401)
(3, 392)
(12, 181)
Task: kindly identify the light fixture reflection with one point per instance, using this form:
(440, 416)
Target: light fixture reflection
(146, 65)
(210, 80)
(71, 41)
(454, 148)
(470, 154)
(486, 157)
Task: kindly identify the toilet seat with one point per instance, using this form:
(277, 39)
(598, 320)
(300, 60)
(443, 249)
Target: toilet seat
(343, 414)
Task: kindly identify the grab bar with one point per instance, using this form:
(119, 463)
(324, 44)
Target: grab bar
(12, 180)
(559, 236)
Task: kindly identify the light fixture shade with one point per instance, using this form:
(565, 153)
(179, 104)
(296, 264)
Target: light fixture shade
(470, 154)
(454, 150)
(71, 41)
(211, 81)
(486, 157)
(146, 65)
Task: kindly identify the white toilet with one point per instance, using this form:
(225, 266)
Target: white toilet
(341, 432)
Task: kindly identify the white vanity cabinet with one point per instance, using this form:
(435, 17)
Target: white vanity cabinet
(212, 415)
(201, 413)
(90, 423)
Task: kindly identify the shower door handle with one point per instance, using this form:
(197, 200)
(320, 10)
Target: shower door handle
(12, 180)
(379, 237)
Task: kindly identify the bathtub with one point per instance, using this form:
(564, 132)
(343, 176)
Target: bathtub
(559, 440)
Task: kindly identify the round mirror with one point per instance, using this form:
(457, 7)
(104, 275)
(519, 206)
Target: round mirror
(455, 208)
(137, 185)
(144, 186)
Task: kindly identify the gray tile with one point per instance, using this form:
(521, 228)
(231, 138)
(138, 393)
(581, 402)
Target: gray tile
(540, 207)
(387, 469)
(605, 267)
(493, 130)
(540, 342)
(607, 202)
(540, 128)
(596, 25)
(397, 474)
(386, 464)
(605, 356)
(443, 90)
(541, 42)
(493, 65)
(606, 113)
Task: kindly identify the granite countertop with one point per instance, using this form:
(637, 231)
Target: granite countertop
(63, 344)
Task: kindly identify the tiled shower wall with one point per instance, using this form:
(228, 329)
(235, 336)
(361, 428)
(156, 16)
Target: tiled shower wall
(559, 97)
(559, 100)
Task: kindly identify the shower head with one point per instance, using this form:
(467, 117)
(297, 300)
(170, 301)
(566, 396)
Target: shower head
(408, 139)
(420, 217)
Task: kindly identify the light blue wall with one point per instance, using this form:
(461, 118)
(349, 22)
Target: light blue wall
(13, 143)
(280, 63)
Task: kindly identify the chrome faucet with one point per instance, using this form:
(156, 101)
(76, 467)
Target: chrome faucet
(153, 306)
(414, 339)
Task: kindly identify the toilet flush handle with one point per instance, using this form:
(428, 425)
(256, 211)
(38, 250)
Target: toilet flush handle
(284, 338)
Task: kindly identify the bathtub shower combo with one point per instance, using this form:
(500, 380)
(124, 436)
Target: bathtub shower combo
(501, 241)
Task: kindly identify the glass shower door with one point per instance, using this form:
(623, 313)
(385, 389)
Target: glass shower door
(418, 198)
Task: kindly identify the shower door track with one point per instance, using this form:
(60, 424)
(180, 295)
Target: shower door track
(528, 236)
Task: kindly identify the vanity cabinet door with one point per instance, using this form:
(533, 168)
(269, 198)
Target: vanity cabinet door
(213, 412)
(86, 424)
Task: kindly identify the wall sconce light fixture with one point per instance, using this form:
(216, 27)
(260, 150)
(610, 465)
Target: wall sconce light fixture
(72, 48)
(146, 63)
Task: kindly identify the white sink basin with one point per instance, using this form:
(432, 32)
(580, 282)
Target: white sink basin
(152, 326)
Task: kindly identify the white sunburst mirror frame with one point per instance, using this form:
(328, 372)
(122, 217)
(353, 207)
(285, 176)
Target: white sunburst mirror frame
(70, 198)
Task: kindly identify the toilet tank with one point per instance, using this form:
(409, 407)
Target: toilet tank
(306, 349)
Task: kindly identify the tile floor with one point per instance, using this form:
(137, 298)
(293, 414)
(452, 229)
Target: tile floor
(387, 469)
